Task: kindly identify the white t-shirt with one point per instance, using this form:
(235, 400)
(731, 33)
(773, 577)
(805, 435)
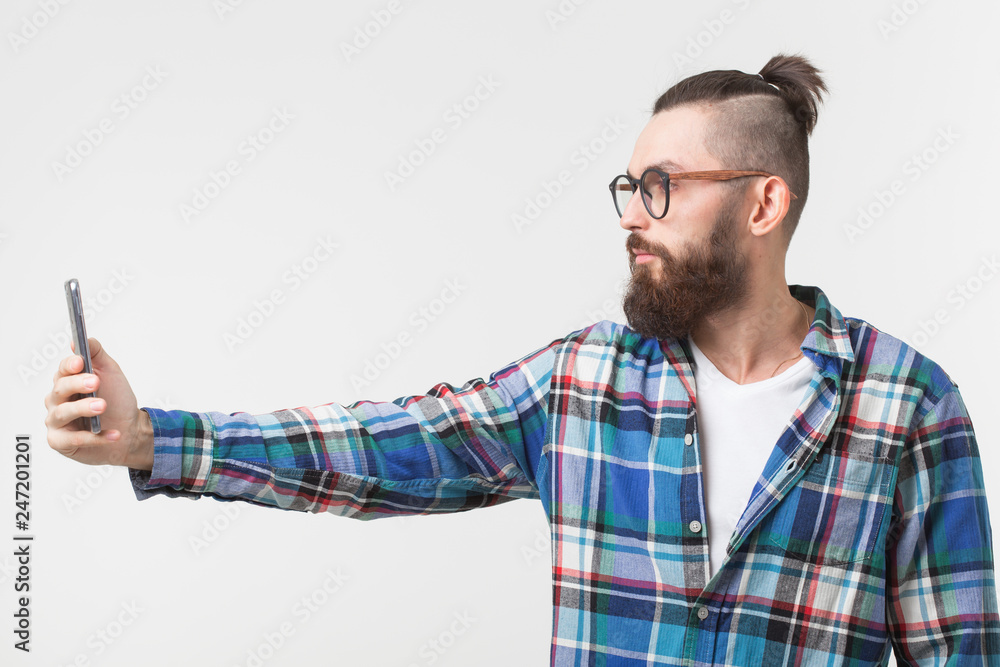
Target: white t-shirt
(738, 426)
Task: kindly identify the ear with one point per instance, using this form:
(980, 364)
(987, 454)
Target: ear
(771, 199)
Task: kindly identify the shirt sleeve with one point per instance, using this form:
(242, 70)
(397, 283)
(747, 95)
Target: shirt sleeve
(941, 594)
(449, 450)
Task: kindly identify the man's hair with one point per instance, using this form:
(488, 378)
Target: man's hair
(758, 123)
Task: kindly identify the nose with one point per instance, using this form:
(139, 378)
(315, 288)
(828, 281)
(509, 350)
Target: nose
(635, 217)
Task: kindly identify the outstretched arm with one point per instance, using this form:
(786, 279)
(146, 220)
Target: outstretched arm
(451, 449)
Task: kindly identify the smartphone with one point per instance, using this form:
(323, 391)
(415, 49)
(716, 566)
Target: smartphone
(75, 303)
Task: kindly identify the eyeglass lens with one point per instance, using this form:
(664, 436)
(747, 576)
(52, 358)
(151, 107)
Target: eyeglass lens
(653, 191)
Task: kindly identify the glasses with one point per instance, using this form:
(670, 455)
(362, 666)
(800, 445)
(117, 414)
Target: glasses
(655, 185)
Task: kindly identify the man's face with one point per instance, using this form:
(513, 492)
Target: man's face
(690, 263)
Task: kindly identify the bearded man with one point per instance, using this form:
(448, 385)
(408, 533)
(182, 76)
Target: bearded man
(740, 476)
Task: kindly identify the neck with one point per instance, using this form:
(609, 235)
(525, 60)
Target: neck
(757, 338)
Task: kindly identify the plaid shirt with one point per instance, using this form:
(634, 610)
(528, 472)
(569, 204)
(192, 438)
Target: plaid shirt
(868, 524)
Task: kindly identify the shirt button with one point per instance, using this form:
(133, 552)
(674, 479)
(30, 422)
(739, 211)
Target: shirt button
(695, 526)
(703, 613)
(688, 438)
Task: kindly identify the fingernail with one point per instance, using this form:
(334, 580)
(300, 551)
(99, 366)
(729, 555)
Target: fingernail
(90, 383)
(97, 405)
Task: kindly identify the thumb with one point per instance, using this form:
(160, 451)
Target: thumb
(98, 357)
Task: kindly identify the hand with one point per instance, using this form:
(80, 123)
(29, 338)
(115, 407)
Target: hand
(126, 436)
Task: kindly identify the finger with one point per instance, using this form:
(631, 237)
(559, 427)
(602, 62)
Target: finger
(66, 386)
(84, 446)
(68, 366)
(65, 413)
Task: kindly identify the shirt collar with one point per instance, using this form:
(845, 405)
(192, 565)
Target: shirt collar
(828, 334)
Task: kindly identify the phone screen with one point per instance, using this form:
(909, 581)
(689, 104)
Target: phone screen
(75, 303)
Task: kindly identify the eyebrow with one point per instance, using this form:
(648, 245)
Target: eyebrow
(668, 166)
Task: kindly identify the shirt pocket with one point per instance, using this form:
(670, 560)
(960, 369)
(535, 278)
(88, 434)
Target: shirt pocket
(833, 515)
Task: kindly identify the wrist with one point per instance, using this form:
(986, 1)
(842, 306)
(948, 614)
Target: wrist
(143, 446)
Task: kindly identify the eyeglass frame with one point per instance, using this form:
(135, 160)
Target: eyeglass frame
(709, 175)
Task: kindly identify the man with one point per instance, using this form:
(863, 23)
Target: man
(741, 476)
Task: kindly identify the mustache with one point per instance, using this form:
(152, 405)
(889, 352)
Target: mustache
(635, 244)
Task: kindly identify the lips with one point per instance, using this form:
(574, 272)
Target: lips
(638, 253)
(636, 247)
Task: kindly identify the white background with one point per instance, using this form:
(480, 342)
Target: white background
(189, 283)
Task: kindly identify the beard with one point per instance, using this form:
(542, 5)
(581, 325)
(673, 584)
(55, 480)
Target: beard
(708, 279)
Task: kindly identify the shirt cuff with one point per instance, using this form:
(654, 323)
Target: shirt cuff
(182, 456)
